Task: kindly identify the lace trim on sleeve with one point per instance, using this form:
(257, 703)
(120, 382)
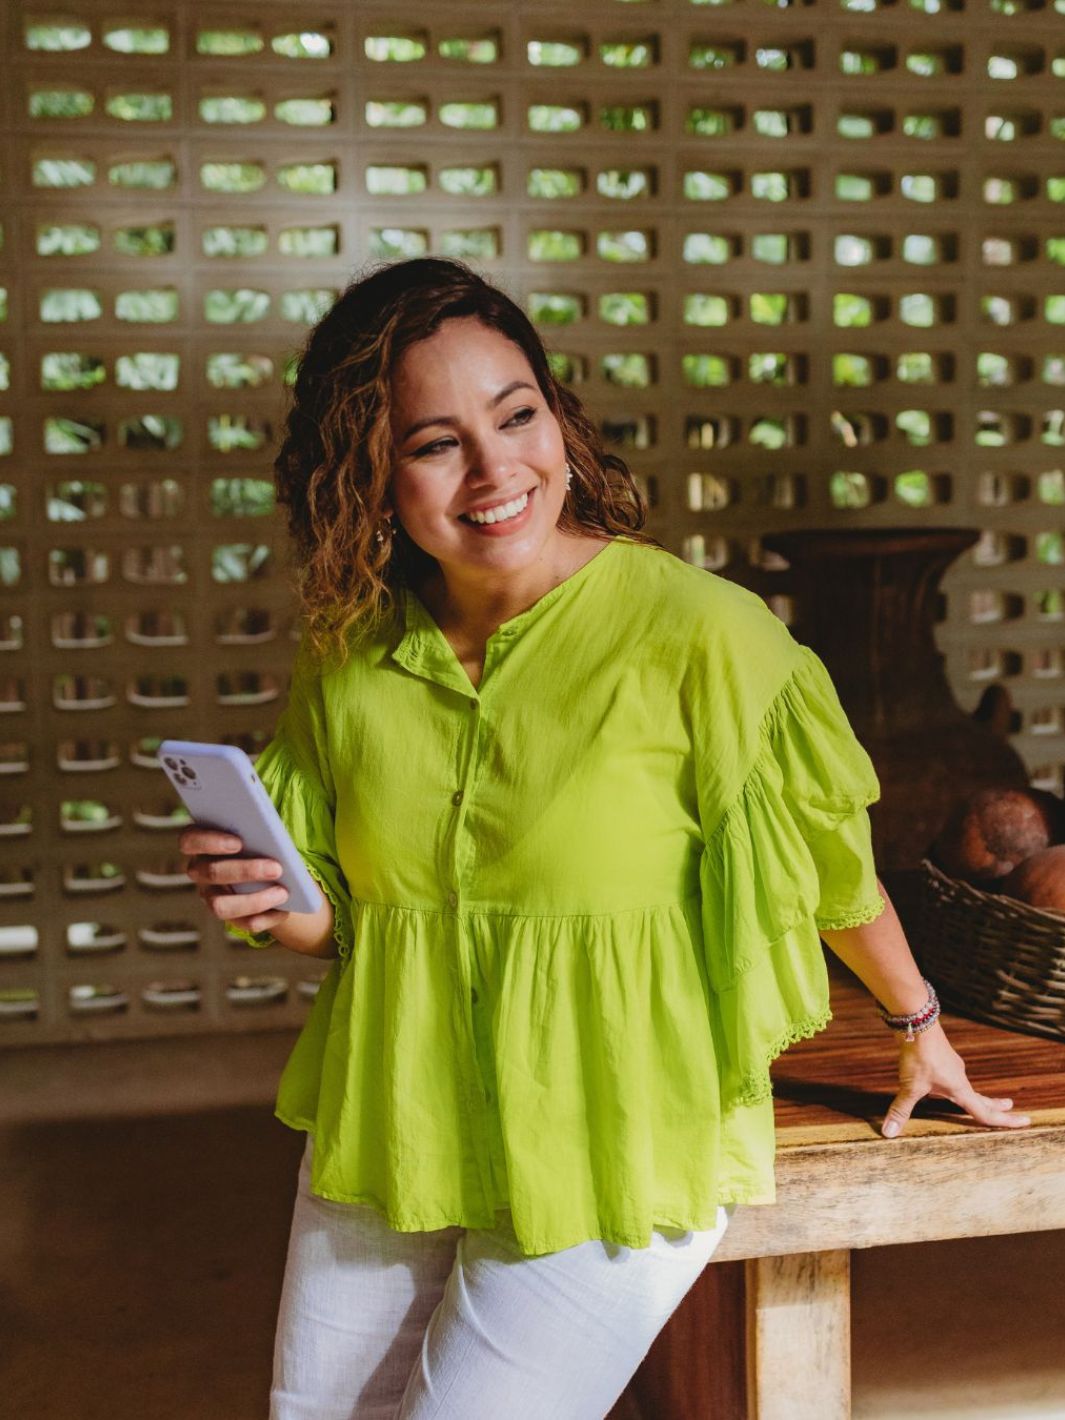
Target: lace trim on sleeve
(858, 918)
(756, 1084)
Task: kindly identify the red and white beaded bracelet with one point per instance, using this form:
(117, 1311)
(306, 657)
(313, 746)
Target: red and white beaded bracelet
(916, 1021)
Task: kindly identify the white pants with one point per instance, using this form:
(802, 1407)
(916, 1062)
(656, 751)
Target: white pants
(458, 1323)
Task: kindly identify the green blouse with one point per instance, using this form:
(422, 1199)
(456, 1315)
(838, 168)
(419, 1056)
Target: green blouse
(577, 906)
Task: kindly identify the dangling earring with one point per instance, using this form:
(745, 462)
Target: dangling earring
(379, 535)
(569, 477)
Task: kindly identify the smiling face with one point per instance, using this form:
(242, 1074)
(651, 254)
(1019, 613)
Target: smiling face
(472, 431)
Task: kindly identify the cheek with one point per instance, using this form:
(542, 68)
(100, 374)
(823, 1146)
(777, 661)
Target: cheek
(550, 446)
(415, 487)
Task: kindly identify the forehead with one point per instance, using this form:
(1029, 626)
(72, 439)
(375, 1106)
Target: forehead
(461, 348)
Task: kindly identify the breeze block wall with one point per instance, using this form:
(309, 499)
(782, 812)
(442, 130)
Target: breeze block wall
(806, 263)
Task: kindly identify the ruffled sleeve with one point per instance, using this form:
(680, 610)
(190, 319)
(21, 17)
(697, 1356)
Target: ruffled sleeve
(789, 856)
(827, 783)
(294, 771)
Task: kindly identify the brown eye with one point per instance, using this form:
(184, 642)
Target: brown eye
(438, 446)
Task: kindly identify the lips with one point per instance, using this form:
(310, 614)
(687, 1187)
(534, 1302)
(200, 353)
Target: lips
(501, 504)
(507, 526)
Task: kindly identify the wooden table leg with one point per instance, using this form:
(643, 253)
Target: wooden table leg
(799, 1336)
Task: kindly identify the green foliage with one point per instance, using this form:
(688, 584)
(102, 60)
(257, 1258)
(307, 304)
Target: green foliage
(317, 242)
(553, 54)
(242, 497)
(145, 241)
(629, 370)
(232, 371)
(468, 182)
(69, 370)
(60, 103)
(555, 118)
(67, 238)
(555, 183)
(624, 246)
(395, 243)
(57, 39)
(232, 177)
(303, 44)
(141, 108)
(470, 243)
(131, 39)
(313, 179)
(229, 44)
(147, 370)
(158, 306)
(483, 49)
(625, 308)
(555, 308)
(229, 432)
(706, 371)
(849, 490)
(397, 49)
(545, 245)
(240, 561)
(470, 115)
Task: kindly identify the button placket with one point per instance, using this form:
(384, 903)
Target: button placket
(459, 838)
(480, 1095)
(483, 1103)
(453, 873)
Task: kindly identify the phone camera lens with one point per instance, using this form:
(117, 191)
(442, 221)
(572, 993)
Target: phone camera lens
(170, 763)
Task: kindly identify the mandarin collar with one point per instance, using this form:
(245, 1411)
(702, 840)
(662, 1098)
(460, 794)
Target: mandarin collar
(424, 650)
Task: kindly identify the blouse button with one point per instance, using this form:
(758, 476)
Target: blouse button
(456, 797)
(473, 705)
(453, 898)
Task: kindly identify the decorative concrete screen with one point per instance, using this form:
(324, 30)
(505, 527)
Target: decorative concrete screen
(805, 262)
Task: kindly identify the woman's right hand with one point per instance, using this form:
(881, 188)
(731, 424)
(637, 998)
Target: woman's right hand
(213, 867)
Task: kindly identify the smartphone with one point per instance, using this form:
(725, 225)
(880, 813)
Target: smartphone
(220, 788)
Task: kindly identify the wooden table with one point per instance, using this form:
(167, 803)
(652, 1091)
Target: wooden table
(765, 1332)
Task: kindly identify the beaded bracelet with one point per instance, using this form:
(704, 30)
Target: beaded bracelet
(918, 1020)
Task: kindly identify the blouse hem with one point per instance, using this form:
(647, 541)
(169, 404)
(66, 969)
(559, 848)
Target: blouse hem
(534, 1247)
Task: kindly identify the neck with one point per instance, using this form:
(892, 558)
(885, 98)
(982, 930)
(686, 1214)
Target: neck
(475, 602)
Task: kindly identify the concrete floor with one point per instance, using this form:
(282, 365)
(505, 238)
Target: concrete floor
(146, 1198)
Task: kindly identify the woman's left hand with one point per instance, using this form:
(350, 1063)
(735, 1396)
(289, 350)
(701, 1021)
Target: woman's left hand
(929, 1065)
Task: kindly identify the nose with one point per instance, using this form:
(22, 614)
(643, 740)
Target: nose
(490, 461)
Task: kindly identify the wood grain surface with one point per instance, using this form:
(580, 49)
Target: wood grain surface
(840, 1084)
(764, 1332)
(840, 1183)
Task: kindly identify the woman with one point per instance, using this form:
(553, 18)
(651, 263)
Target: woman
(581, 814)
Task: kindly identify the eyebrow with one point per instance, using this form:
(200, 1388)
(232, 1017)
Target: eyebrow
(449, 419)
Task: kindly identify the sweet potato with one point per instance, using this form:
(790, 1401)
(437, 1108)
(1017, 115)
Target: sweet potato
(1039, 880)
(993, 830)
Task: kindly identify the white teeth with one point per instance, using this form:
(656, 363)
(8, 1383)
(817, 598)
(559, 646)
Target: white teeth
(500, 514)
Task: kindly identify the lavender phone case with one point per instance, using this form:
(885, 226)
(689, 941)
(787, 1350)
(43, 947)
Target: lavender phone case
(220, 788)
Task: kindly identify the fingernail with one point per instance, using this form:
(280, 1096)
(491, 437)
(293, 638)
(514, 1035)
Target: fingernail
(891, 1129)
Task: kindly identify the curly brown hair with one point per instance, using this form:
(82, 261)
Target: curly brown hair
(335, 462)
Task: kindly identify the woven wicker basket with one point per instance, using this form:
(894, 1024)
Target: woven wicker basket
(990, 957)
